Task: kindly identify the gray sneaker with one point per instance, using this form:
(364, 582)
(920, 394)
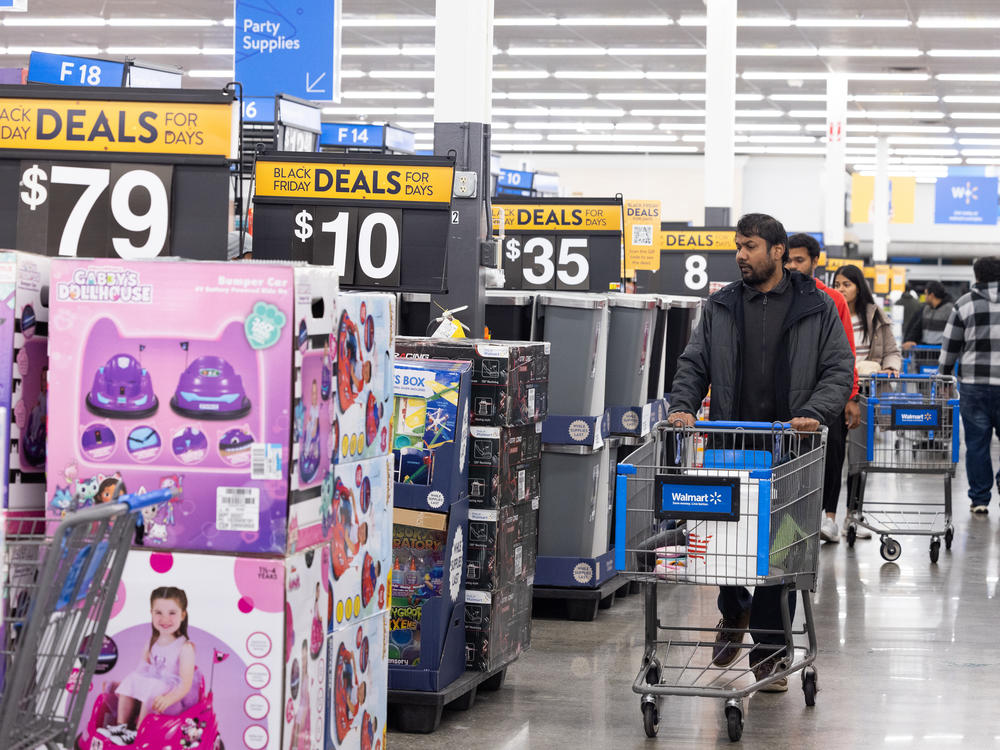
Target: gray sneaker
(828, 531)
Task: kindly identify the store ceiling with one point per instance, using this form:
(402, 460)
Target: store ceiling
(626, 76)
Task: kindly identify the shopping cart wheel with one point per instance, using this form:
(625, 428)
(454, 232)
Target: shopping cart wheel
(949, 534)
(809, 685)
(650, 719)
(890, 550)
(852, 535)
(935, 549)
(734, 723)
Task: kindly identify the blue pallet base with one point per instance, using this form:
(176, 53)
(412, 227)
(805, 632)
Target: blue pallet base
(574, 572)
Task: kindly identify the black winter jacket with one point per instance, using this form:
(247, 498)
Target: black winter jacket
(813, 377)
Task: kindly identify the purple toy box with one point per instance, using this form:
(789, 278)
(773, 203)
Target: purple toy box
(181, 373)
(255, 630)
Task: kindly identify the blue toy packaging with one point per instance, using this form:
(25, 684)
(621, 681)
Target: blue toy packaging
(363, 355)
(430, 444)
(361, 540)
(357, 673)
(179, 373)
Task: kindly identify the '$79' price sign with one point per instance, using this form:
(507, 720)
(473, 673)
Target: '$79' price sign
(71, 209)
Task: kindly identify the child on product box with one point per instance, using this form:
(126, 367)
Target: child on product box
(301, 727)
(109, 490)
(164, 680)
(317, 627)
(353, 373)
(345, 704)
(347, 538)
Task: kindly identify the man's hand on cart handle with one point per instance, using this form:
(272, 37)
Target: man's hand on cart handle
(681, 419)
(852, 414)
(804, 424)
(907, 345)
(889, 372)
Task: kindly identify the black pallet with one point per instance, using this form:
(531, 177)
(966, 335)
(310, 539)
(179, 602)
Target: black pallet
(419, 712)
(580, 604)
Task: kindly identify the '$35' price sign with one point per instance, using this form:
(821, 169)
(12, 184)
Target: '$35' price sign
(94, 209)
(547, 262)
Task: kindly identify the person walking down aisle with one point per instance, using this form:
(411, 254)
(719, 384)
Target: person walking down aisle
(911, 305)
(772, 348)
(803, 256)
(972, 336)
(876, 351)
(928, 326)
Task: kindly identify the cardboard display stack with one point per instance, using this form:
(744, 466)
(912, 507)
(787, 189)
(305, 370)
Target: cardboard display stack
(509, 402)
(265, 396)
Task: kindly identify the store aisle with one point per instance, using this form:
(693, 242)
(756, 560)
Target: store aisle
(908, 658)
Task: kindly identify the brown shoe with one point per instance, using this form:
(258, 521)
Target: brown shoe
(764, 669)
(728, 640)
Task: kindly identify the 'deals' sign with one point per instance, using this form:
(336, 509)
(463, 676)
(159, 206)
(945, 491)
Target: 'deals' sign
(106, 172)
(381, 221)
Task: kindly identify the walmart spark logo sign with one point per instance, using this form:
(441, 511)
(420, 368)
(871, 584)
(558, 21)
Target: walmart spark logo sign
(966, 200)
(698, 497)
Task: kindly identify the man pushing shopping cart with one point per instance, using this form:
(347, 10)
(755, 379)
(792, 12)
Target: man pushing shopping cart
(773, 351)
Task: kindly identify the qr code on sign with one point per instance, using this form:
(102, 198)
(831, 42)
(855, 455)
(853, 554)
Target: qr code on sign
(642, 234)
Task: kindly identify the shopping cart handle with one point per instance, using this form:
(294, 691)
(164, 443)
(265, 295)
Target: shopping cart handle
(905, 376)
(744, 425)
(927, 347)
(138, 502)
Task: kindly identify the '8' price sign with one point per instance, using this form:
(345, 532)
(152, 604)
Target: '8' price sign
(381, 222)
(560, 243)
(691, 259)
(116, 172)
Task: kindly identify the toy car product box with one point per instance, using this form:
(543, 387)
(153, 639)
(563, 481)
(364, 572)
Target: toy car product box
(236, 644)
(504, 465)
(178, 373)
(426, 640)
(497, 626)
(503, 545)
(24, 360)
(358, 673)
(361, 540)
(430, 443)
(363, 360)
(510, 379)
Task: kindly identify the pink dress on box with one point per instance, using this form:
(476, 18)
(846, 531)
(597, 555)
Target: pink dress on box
(159, 676)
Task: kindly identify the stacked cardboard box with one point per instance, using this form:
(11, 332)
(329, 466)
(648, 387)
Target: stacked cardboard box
(509, 402)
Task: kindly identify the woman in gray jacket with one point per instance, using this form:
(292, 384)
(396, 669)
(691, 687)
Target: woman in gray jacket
(877, 352)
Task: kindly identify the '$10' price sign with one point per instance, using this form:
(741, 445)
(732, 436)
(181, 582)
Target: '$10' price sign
(361, 244)
(71, 209)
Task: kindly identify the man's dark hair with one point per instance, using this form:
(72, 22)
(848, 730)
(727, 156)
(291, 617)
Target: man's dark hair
(767, 228)
(986, 269)
(807, 241)
(937, 289)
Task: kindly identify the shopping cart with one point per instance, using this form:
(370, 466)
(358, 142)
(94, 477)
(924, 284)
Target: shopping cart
(752, 495)
(908, 426)
(922, 359)
(58, 589)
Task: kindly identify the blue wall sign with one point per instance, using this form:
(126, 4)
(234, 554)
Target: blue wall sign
(513, 178)
(352, 135)
(287, 46)
(966, 200)
(66, 70)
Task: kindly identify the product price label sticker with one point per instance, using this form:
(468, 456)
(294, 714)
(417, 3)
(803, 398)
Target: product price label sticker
(520, 484)
(531, 401)
(518, 560)
(265, 461)
(237, 509)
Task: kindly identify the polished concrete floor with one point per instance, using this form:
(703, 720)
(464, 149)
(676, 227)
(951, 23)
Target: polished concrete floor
(909, 657)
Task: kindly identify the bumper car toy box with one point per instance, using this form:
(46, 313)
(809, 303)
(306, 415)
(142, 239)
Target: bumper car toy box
(357, 675)
(363, 361)
(510, 379)
(234, 646)
(431, 438)
(180, 373)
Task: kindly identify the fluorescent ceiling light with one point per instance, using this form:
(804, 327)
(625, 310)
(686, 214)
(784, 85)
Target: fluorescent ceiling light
(352, 73)
(634, 126)
(541, 96)
(564, 126)
(183, 22)
(555, 51)
(760, 21)
(693, 139)
(600, 74)
(781, 75)
(518, 137)
(986, 162)
(401, 73)
(639, 149)
(368, 111)
(586, 112)
(980, 131)
(769, 127)
(510, 75)
(612, 137)
(894, 98)
(958, 22)
(981, 151)
(387, 51)
(871, 23)
(41, 21)
(417, 124)
(681, 126)
(874, 114)
(383, 94)
(519, 147)
(219, 73)
(972, 99)
(169, 51)
(870, 139)
(759, 113)
(69, 50)
(657, 51)
(925, 151)
(979, 141)
(386, 22)
(530, 21)
(640, 96)
(808, 113)
(776, 52)
(921, 140)
(969, 77)
(741, 97)
(975, 115)
(796, 150)
(616, 21)
(963, 53)
(868, 52)
(779, 138)
(672, 75)
(797, 97)
(667, 113)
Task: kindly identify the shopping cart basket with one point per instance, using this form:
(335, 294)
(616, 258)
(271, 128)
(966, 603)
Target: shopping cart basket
(752, 495)
(922, 359)
(59, 586)
(909, 425)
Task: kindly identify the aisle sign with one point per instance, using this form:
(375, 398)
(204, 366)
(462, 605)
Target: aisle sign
(692, 258)
(832, 264)
(515, 178)
(642, 236)
(375, 137)
(965, 200)
(882, 283)
(67, 70)
(289, 47)
(898, 279)
(572, 244)
(381, 221)
(110, 172)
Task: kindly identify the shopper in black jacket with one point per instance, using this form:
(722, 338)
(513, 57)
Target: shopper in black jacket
(772, 348)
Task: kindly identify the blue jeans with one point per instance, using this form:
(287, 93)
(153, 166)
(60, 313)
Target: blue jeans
(980, 409)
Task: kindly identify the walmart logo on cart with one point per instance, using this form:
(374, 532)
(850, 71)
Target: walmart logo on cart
(922, 418)
(707, 498)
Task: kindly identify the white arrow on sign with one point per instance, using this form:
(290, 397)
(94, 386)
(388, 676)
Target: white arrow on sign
(311, 87)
